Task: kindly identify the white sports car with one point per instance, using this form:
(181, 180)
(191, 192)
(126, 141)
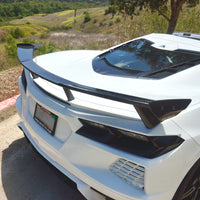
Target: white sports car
(123, 123)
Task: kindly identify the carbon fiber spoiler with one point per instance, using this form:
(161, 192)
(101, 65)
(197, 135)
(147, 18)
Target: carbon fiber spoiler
(151, 112)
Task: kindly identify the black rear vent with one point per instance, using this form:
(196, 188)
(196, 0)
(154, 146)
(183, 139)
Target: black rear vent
(142, 145)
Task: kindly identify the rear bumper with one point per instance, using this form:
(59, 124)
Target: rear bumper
(87, 162)
(85, 189)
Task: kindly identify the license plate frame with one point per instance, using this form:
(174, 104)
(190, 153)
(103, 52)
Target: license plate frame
(45, 118)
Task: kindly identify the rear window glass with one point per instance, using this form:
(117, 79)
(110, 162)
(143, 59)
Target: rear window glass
(140, 56)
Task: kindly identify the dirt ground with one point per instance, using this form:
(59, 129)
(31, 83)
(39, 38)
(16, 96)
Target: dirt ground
(9, 83)
(7, 112)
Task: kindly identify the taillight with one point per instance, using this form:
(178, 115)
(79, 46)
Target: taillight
(131, 142)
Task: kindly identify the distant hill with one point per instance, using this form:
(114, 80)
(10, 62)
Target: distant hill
(10, 9)
(71, 1)
(65, 20)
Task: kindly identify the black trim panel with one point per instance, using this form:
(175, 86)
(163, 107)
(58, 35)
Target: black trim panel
(131, 142)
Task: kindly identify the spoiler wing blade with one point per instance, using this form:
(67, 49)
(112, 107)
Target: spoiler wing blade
(151, 112)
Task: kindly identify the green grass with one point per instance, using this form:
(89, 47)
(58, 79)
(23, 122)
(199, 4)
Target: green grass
(65, 13)
(5, 61)
(27, 29)
(189, 20)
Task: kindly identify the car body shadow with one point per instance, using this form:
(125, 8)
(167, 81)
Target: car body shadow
(27, 176)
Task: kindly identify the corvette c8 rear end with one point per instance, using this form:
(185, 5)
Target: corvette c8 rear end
(118, 135)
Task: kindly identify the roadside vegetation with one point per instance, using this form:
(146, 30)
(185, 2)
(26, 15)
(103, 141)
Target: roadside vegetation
(84, 28)
(168, 9)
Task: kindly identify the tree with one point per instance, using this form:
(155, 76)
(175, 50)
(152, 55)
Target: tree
(111, 9)
(11, 46)
(169, 9)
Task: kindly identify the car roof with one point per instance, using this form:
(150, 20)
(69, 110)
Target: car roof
(173, 42)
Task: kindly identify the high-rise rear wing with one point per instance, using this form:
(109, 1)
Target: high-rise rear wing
(152, 112)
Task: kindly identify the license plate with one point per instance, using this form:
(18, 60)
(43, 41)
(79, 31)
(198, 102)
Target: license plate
(45, 118)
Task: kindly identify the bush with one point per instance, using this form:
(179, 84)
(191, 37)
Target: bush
(95, 21)
(11, 46)
(28, 40)
(102, 24)
(3, 39)
(33, 33)
(17, 33)
(66, 27)
(106, 11)
(87, 17)
(46, 48)
(118, 20)
(110, 9)
(44, 35)
(111, 23)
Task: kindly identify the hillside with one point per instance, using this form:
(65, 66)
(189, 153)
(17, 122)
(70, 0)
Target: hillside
(20, 8)
(64, 30)
(64, 20)
(86, 28)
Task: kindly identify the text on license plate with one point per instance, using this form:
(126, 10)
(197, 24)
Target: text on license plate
(45, 118)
